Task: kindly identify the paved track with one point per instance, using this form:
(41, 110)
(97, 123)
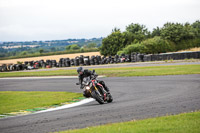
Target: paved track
(134, 98)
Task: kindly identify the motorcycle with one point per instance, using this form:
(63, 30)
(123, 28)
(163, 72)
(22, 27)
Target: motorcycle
(95, 90)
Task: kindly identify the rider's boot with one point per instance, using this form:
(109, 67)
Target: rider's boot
(107, 89)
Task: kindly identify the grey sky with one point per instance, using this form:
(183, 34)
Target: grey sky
(28, 20)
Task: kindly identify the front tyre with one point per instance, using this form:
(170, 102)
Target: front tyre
(98, 98)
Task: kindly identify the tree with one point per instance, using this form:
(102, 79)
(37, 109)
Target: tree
(183, 35)
(41, 51)
(116, 30)
(136, 33)
(68, 47)
(112, 43)
(156, 32)
(92, 45)
(53, 49)
(172, 32)
(177, 32)
(196, 26)
(74, 47)
(24, 53)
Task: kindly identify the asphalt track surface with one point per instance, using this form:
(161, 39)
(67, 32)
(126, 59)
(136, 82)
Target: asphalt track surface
(134, 98)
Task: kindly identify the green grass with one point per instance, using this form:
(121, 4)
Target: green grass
(116, 72)
(182, 123)
(150, 71)
(39, 73)
(11, 101)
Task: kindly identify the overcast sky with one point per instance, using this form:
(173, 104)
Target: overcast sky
(28, 20)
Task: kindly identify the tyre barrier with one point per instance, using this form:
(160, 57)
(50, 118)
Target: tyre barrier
(86, 61)
(171, 56)
(12, 67)
(97, 60)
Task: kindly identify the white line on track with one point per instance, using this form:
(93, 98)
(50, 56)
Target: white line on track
(67, 106)
(85, 101)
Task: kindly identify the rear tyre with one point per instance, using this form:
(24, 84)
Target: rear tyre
(98, 98)
(110, 98)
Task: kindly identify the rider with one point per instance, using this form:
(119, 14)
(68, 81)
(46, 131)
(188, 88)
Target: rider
(87, 73)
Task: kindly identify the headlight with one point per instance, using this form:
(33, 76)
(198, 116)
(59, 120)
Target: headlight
(87, 87)
(90, 85)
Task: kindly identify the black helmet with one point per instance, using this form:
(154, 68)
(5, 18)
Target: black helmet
(80, 69)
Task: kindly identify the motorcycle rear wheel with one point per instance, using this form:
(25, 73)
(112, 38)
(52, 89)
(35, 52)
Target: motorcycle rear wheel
(110, 98)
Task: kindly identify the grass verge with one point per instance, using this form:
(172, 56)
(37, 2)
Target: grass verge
(116, 72)
(182, 123)
(12, 101)
(150, 71)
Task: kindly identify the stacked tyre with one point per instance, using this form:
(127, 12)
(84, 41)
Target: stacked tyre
(48, 64)
(98, 59)
(67, 62)
(86, 60)
(82, 60)
(72, 62)
(76, 61)
(92, 60)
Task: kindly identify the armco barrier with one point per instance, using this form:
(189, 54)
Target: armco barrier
(96, 60)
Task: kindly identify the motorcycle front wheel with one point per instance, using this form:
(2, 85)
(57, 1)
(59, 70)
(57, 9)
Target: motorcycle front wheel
(97, 97)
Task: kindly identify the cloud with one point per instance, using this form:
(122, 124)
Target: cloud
(61, 19)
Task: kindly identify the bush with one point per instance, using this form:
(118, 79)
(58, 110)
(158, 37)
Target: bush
(150, 46)
(158, 45)
(186, 44)
(132, 48)
(120, 52)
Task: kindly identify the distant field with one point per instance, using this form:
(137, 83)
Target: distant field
(191, 49)
(53, 57)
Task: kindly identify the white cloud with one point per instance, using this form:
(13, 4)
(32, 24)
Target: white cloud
(61, 19)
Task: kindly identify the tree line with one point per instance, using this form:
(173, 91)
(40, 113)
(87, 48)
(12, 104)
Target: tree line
(137, 38)
(48, 47)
